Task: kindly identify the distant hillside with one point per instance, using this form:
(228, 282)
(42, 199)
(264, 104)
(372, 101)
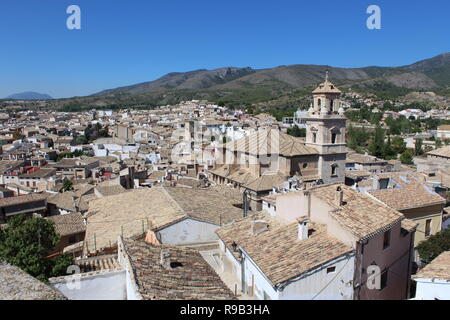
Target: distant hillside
(199, 79)
(427, 74)
(282, 88)
(29, 96)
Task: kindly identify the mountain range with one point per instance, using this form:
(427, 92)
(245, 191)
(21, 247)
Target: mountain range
(29, 95)
(427, 74)
(282, 88)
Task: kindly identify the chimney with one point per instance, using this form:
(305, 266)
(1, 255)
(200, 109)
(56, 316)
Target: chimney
(339, 196)
(375, 182)
(303, 229)
(165, 259)
(151, 238)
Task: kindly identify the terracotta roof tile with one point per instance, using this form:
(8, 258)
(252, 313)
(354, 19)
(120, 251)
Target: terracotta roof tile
(439, 268)
(278, 252)
(360, 214)
(189, 276)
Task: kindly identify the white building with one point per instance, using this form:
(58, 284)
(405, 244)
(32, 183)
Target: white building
(294, 261)
(433, 281)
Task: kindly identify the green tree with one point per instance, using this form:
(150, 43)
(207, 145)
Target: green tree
(81, 140)
(27, 242)
(297, 132)
(389, 152)
(418, 147)
(377, 147)
(67, 185)
(357, 138)
(434, 246)
(398, 145)
(407, 157)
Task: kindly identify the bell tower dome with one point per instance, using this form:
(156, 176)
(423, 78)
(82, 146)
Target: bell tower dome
(326, 97)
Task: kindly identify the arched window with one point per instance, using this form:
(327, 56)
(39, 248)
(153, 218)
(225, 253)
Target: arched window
(335, 131)
(333, 138)
(334, 169)
(331, 105)
(319, 102)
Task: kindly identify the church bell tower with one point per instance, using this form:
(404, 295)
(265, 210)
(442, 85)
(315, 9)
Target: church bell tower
(325, 131)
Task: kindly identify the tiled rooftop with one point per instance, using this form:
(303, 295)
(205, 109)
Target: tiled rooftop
(157, 207)
(16, 284)
(278, 252)
(68, 224)
(187, 276)
(409, 193)
(271, 142)
(360, 214)
(439, 268)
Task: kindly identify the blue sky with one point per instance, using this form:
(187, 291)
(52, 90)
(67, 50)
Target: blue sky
(127, 42)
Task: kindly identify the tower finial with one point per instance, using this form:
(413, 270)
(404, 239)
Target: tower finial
(327, 74)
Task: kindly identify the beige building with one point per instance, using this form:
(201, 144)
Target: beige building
(403, 192)
(327, 242)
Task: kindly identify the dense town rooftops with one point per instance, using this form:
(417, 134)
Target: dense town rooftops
(131, 213)
(173, 273)
(439, 268)
(16, 284)
(278, 252)
(408, 192)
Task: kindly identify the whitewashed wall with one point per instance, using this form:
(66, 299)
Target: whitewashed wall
(99, 286)
(427, 289)
(188, 231)
(320, 285)
(332, 286)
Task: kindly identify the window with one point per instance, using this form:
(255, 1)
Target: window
(387, 239)
(333, 138)
(384, 279)
(305, 165)
(314, 137)
(334, 170)
(428, 228)
(319, 103)
(331, 270)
